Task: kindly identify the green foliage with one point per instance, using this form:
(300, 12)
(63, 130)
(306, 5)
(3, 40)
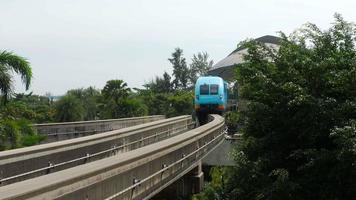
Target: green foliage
(184, 77)
(299, 126)
(9, 62)
(180, 103)
(133, 107)
(17, 110)
(169, 104)
(118, 101)
(30, 140)
(231, 121)
(69, 109)
(200, 66)
(114, 101)
(115, 90)
(37, 109)
(157, 103)
(15, 115)
(10, 134)
(17, 133)
(180, 70)
(160, 85)
(214, 190)
(173, 98)
(78, 104)
(88, 98)
(32, 108)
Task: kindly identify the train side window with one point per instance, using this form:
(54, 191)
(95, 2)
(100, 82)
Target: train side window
(214, 89)
(204, 89)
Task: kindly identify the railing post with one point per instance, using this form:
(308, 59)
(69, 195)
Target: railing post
(50, 165)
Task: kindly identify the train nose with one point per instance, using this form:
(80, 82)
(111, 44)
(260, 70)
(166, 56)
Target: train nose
(221, 107)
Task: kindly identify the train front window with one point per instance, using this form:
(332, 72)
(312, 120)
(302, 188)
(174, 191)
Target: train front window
(204, 89)
(214, 89)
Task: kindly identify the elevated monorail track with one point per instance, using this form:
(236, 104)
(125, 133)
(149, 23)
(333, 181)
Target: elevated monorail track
(68, 130)
(136, 174)
(21, 164)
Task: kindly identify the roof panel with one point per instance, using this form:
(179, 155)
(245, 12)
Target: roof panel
(224, 68)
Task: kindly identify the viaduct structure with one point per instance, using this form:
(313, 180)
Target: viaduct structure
(133, 162)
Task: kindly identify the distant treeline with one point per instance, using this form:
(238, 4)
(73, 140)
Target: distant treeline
(169, 95)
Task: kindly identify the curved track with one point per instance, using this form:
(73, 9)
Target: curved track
(68, 130)
(21, 164)
(136, 174)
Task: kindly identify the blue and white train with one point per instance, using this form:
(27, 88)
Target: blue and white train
(210, 96)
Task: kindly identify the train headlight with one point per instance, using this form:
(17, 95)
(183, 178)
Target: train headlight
(221, 96)
(197, 96)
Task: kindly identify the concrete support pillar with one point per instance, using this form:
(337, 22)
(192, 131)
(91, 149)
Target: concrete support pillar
(197, 179)
(185, 187)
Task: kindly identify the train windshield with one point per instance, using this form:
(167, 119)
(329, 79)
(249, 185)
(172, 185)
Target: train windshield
(204, 89)
(214, 89)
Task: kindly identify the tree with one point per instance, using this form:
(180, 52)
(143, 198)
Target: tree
(88, 98)
(115, 90)
(133, 107)
(180, 103)
(200, 66)
(180, 70)
(17, 133)
(160, 84)
(214, 189)
(299, 127)
(69, 109)
(41, 107)
(114, 99)
(167, 82)
(9, 62)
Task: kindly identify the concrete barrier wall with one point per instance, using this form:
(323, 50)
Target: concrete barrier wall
(14, 162)
(136, 174)
(68, 130)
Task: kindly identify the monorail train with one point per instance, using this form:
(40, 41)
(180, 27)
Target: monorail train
(210, 96)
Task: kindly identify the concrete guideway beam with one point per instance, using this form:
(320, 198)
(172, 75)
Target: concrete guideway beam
(68, 130)
(130, 175)
(25, 163)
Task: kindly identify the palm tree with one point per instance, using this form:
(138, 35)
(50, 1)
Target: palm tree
(69, 109)
(114, 93)
(9, 63)
(116, 90)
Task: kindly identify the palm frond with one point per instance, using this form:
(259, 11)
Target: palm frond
(18, 64)
(5, 83)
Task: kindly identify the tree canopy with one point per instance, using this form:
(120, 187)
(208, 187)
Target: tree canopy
(15, 116)
(180, 69)
(10, 62)
(200, 66)
(160, 84)
(69, 109)
(299, 127)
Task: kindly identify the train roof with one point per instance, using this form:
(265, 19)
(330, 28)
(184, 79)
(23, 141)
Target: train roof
(209, 80)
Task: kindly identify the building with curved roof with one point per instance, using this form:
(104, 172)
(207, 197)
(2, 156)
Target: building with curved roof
(225, 67)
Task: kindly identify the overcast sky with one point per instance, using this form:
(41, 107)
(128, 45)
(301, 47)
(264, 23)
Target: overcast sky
(82, 43)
